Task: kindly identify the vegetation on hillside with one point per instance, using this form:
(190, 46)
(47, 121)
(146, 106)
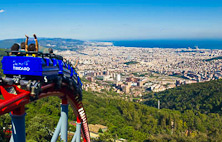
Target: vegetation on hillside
(138, 122)
(131, 62)
(2, 53)
(128, 120)
(200, 97)
(214, 58)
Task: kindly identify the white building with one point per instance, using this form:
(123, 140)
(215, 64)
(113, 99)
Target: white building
(118, 78)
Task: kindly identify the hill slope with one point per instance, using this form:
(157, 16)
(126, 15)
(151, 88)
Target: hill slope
(201, 97)
(55, 43)
(128, 120)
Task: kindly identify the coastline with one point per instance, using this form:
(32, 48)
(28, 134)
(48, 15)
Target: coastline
(193, 44)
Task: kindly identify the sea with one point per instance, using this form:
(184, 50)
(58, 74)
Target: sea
(201, 44)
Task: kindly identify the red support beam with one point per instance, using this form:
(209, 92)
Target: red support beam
(13, 107)
(16, 103)
(64, 101)
(18, 111)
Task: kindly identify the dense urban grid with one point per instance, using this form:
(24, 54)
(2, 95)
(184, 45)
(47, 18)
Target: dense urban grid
(135, 71)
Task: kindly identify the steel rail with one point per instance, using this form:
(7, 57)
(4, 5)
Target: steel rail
(20, 100)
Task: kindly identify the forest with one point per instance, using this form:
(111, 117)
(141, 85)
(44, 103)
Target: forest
(128, 120)
(199, 97)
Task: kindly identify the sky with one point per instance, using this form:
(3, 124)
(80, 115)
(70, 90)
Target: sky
(112, 19)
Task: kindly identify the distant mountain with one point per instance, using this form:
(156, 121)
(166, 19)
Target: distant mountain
(7, 43)
(55, 43)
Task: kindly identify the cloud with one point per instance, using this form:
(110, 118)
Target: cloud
(1, 10)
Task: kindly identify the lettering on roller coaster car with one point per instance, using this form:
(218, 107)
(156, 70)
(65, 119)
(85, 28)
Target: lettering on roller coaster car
(24, 63)
(21, 65)
(82, 114)
(85, 126)
(21, 68)
(45, 78)
(84, 123)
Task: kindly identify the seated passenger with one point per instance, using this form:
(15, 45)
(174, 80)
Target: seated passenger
(36, 43)
(22, 47)
(15, 47)
(31, 47)
(22, 50)
(50, 51)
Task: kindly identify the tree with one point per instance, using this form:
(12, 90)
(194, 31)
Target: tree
(40, 128)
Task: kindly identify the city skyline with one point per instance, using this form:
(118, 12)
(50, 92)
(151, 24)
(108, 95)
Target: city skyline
(112, 20)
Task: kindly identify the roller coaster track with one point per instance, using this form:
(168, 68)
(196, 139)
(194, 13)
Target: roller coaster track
(15, 104)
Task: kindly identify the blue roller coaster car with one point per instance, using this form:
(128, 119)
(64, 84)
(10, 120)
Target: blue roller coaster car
(29, 66)
(45, 68)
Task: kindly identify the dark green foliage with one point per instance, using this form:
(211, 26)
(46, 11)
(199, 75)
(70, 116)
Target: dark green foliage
(40, 128)
(5, 122)
(140, 75)
(200, 97)
(100, 131)
(215, 58)
(42, 118)
(2, 53)
(133, 121)
(128, 120)
(131, 62)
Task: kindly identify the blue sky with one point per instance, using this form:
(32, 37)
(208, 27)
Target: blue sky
(112, 20)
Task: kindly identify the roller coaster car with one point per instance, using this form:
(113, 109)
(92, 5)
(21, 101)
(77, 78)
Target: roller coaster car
(21, 67)
(29, 67)
(64, 69)
(68, 73)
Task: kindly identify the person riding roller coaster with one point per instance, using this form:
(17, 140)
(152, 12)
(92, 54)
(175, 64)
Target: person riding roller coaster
(22, 47)
(32, 46)
(15, 48)
(50, 51)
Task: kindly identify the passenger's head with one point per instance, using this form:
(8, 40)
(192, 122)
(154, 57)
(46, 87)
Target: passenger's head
(23, 45)
(31, 47)
(50, 50)
(15, 47)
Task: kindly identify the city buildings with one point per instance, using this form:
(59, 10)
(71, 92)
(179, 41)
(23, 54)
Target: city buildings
(135, 71)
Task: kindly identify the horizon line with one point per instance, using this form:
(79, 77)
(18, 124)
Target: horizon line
(121, 39)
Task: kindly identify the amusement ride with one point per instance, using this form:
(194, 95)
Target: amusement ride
(35, 75)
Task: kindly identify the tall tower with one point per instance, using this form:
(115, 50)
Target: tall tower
(158, 104)
(118, 78)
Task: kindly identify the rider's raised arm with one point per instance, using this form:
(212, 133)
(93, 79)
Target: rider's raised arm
(36, 43)
(26, 43)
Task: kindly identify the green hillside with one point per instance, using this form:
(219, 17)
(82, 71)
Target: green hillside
(138, 122)
(128, 120)
(7, 43)
(55, 43)
(200, 97)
